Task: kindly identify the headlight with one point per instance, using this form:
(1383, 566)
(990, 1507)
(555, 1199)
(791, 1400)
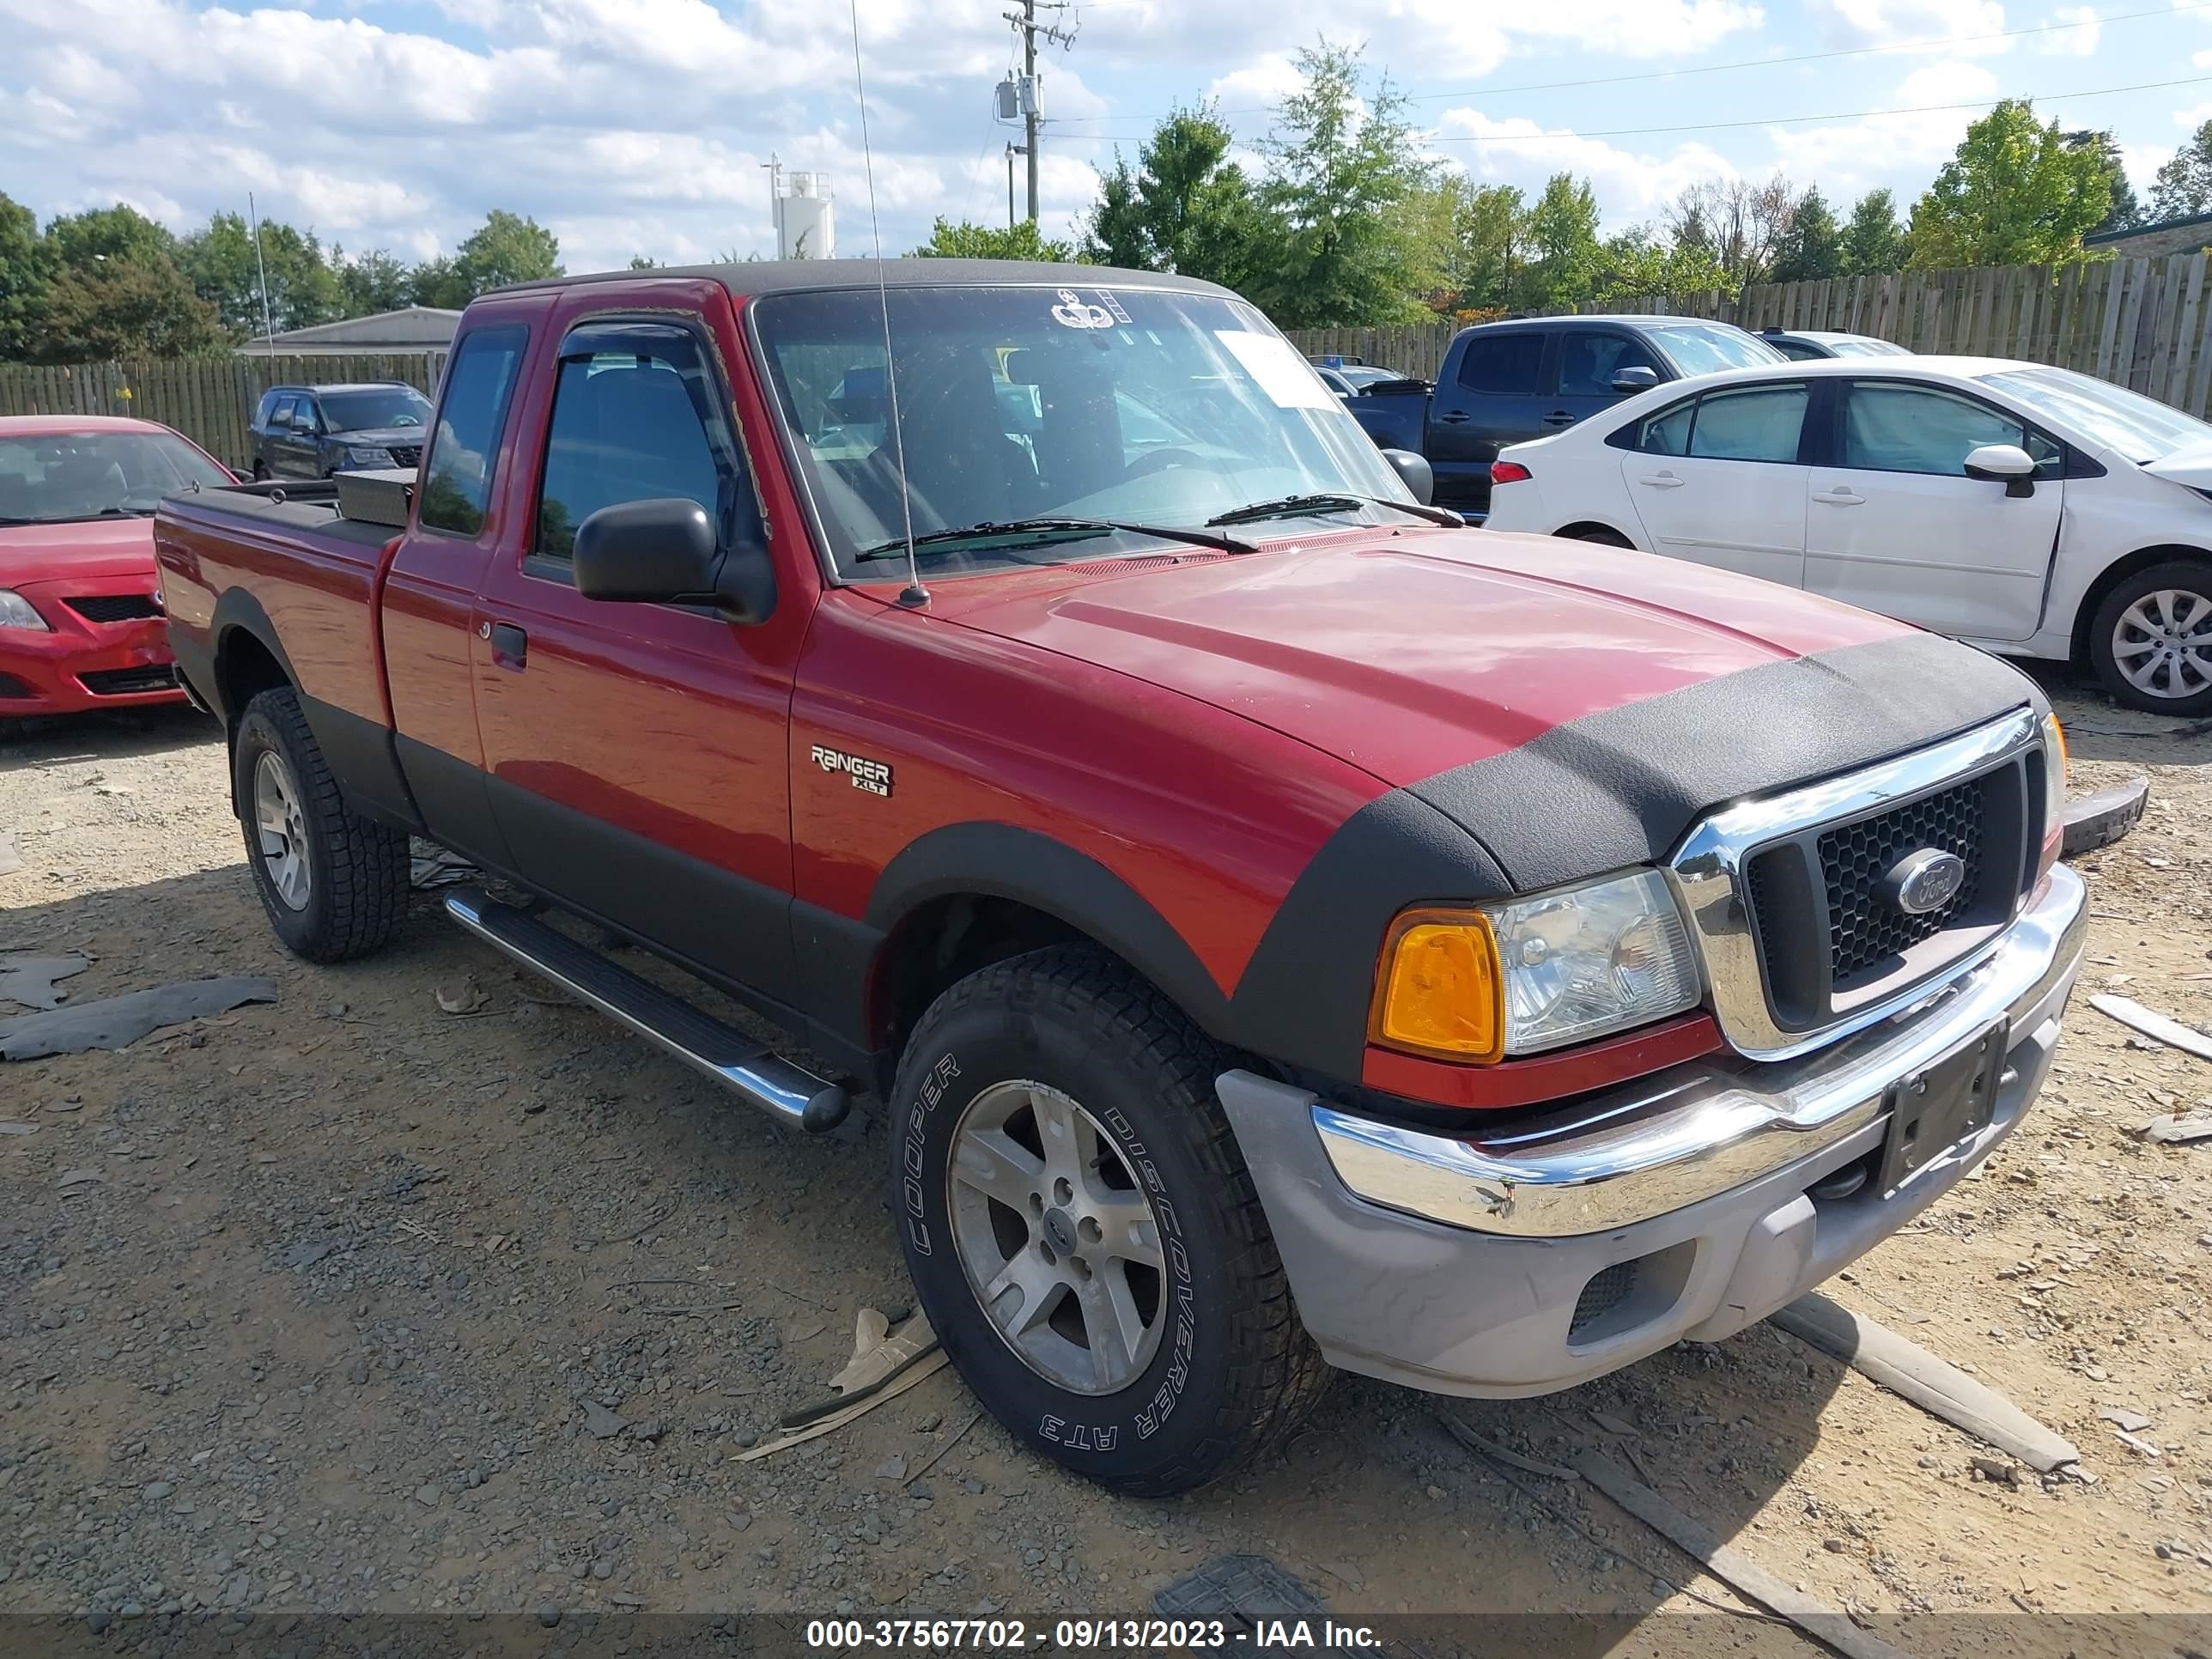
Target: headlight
(368, 456)
(2054, 794)
(1534, 974)
(15, 612)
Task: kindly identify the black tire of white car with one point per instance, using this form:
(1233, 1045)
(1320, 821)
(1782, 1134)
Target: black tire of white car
(2192, 577)
(1223, 1369)
(354, 869)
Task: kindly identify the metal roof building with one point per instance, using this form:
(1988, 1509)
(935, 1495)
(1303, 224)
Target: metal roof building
(411, 328)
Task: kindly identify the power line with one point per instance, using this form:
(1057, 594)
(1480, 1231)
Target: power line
(1738, 64)
(1793, 120)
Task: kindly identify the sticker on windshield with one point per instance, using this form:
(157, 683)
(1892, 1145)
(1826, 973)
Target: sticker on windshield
(1106, 298)
(1072, 313)
(1280, 371)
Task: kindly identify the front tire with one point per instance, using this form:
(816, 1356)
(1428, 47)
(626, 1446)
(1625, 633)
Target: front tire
(1082, 1232)
(2151, 639)
(333, 883)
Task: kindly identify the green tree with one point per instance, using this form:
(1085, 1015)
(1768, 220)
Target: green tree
(26, 274)
(969, 240)
(1811, 249)
(1184, 207)
(220, 263)
(506, 248)
(1874, 241)
(2016, 193)
(116, 292)
(643, 262)
(370, 282)
(2182, 187)
(1564, 256)
(2125, 212)
(1640, 264)
(1342, 163)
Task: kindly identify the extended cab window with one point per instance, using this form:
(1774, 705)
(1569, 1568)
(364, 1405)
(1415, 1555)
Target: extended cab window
(1502, 365)
(457, 472)
(635, 417)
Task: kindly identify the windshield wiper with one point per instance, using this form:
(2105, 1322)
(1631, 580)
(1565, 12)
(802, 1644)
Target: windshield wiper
(1286, 506)
(1054, 526)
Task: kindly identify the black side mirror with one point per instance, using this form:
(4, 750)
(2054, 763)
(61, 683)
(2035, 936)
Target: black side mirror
(1630, 381)
(1414, 473)
(665, 552)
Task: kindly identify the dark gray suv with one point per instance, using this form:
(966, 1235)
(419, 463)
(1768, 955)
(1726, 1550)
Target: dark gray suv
(313, 431)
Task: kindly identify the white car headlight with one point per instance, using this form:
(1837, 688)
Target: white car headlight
(369, 457)
(15, 612)
(1592, 960)
(1517, 978)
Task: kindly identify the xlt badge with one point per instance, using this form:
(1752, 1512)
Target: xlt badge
(872, 776)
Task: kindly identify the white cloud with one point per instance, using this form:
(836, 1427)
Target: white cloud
(1852, 155)
(1630, 187)
(1948, 25)
(2079, 41)
(1258, 85)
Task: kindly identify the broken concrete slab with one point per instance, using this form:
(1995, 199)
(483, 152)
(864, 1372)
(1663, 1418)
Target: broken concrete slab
(118, 1022)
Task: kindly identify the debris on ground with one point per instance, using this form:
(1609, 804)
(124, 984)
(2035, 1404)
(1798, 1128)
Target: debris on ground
(118, 1022)
(11, 860)
(2126, 1421)
(461, 996)
(31, 981)
(430, 865)
(1906, 1368)
(2186, 1126)
(2129, 1012)
(2101, 819)
(885, 1363)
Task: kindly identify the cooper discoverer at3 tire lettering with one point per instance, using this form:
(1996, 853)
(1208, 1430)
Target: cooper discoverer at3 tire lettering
(1082, 1232)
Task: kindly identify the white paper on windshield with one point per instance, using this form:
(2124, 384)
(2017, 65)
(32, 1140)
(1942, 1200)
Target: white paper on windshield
(1281, 373)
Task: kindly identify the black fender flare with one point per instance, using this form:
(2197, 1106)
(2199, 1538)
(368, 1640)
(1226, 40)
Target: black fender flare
(239, 612)
(1003, 860)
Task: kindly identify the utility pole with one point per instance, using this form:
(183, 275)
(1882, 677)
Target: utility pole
(268, 329)
(1026, 25)
(1012, 150)
(775, 169)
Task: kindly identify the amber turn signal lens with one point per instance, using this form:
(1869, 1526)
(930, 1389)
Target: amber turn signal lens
(1438, 991)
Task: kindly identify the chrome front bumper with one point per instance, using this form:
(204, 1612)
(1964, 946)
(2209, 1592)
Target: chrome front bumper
(1703, 1128)
(1691, 1205)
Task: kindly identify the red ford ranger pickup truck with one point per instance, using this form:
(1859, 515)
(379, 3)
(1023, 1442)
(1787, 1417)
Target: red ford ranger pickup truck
(1286, 931)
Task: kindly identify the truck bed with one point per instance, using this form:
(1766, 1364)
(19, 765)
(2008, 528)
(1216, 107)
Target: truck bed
(306, 511)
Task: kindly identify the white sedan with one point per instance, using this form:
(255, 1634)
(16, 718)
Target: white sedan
(2029, 510)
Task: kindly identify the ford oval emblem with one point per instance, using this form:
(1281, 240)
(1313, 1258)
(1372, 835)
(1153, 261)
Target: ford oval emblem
(1924, 881)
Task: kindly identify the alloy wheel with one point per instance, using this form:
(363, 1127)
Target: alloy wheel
(2162, 643)
(282, 829)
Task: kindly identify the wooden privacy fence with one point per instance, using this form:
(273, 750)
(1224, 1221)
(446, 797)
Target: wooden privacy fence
(208, 399)
(2143, 323)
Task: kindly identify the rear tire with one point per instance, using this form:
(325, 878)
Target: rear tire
(332, 882)
(2151, 639)
(1600, 535)
(1085, 1100)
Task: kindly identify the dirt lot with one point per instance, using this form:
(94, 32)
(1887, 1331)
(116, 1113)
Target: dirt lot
(322, 1334)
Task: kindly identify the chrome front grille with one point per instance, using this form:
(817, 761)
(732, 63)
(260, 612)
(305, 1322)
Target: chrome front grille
(1785, 894)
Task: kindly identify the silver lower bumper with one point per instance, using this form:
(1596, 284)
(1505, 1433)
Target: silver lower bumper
(1468, 1264)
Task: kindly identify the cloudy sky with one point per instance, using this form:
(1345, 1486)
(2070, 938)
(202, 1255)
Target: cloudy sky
(639, 126)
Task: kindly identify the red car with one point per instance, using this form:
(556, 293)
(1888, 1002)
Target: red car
(81, 623)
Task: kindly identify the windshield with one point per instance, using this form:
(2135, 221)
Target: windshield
(1019, 403)
(89, 475)
(365, 411)
(2139, 429)
(1701, 348)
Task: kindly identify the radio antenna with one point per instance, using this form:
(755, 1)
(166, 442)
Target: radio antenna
(915, 593)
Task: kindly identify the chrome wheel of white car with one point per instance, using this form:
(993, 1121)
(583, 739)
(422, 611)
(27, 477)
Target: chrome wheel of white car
(2162, 643)
(1058, 1240)
(282, 828)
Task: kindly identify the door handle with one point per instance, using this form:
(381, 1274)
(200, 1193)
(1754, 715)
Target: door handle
(1453, 419)
(510, 645)
(1841, 495)
(1661, 481)
(1558, 417)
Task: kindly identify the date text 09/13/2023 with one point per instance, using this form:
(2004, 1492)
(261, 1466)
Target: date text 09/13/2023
(1068, 1635)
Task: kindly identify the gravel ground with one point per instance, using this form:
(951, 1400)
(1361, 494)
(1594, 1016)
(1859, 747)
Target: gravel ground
(374, 1308)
